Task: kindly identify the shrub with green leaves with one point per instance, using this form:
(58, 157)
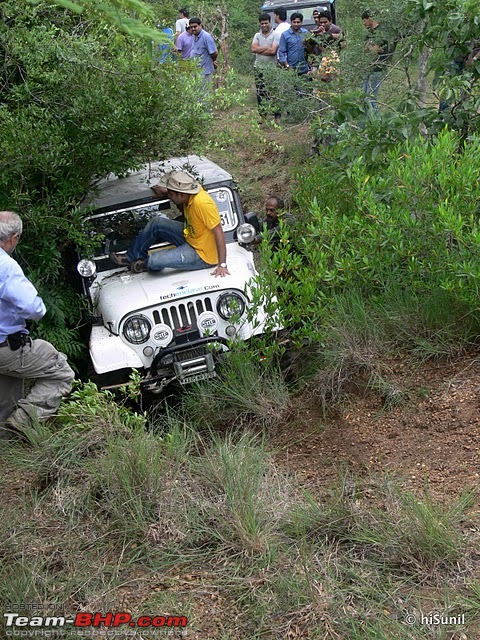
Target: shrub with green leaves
(79, 100)
(413, 227)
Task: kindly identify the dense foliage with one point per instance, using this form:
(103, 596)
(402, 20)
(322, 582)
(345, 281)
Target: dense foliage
(133, 17)
(389, 207)
(78, 100)
(433, 63)
(411, 229)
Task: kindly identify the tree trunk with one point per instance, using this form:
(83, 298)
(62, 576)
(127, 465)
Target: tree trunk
(421, 82)
(224, 43)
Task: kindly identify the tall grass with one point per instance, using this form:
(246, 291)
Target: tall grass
(248, 390)
(244, 495)
(363, 335)
(194, 521)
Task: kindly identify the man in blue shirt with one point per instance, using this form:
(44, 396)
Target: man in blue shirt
(165, 50)
(291, 51)
(185, 43)
(204, 49)
(21, 357)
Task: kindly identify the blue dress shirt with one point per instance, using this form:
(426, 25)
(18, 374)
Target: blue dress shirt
(19, 300)
(203, 47)
(292, 50)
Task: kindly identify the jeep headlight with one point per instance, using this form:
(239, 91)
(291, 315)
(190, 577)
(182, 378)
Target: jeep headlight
(246, 233)
(86, 268)
(137, 329)
(229, 305)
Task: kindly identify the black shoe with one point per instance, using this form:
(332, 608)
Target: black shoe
(139, 266)
(6, 434)
(119, 259)
(11, 431)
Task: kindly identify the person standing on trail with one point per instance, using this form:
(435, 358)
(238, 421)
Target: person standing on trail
(185, 43)
(377, 45)
(291, 52)
(264, 50)
(280, 18)
(181, 24)
(204, 49)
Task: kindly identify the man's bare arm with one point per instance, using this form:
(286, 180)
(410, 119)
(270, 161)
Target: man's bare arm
(222, 252)
(265, 51)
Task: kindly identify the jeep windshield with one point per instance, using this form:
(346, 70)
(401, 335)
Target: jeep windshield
(116, 229)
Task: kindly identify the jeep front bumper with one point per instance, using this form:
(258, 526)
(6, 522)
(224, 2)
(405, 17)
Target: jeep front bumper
(186, 363)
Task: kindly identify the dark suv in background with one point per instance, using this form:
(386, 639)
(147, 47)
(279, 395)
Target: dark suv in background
(302, 6)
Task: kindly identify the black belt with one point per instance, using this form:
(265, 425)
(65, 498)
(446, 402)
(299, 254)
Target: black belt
(16, 340)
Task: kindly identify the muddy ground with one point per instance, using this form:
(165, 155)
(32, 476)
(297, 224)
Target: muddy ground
(430, 439)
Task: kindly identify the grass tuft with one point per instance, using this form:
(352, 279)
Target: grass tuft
(247, 391)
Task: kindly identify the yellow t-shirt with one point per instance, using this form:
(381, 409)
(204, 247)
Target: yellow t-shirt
(201, 216)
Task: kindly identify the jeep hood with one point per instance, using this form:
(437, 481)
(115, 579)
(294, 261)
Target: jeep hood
(118, 293)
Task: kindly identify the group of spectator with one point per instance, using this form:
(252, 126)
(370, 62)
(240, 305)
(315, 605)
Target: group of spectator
(192, 41)
(314, 54)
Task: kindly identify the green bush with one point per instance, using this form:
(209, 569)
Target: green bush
(411, 228)
(79, 100)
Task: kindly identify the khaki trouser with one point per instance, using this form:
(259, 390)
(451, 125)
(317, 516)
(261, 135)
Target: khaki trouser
(39, 361)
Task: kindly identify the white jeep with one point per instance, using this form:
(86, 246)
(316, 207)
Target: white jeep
(173, 325)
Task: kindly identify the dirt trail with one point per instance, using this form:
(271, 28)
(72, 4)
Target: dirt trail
(432, 439)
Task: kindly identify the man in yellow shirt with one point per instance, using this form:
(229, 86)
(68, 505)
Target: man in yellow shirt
(199, 244)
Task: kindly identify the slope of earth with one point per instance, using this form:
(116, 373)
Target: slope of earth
(431, 439)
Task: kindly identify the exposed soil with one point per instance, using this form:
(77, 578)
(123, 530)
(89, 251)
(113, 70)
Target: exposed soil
(431, 438)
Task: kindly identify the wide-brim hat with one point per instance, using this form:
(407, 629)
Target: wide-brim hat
(179, 181)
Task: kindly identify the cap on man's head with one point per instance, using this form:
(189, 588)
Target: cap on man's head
(317, 10)
(179, 181)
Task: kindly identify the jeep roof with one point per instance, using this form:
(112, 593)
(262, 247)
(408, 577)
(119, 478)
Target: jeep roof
(134, 187)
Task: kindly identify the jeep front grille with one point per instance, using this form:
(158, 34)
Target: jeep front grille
(189, 354)
(182, 314)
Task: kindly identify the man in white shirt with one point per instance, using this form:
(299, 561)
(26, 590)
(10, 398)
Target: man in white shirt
(21, 357)
(280, 17)
(262, 47)
(182, 23)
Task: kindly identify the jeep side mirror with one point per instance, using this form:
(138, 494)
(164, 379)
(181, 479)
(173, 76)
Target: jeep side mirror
(252, 218)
